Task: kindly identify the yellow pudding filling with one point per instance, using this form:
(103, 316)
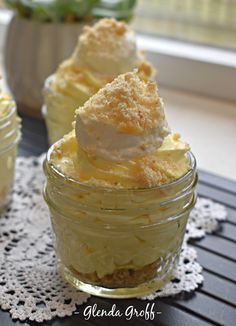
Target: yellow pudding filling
(165, 165)
(120, 190)
(103, 52)
(9, 136)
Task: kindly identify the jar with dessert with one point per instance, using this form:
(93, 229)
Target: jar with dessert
(104, 51)
(9, 138)
(120, 188)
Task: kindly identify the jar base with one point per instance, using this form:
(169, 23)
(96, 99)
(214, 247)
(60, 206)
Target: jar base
(117, 293)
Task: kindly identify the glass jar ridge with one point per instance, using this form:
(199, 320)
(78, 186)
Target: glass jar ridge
(118, 242)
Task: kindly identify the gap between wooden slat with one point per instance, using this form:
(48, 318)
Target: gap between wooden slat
(216, 253)
(218, 275)
(208, 307)
(220, 266)
(231, 216)
(218, 287)
(196, 314)
(216, 297)
(218, 245)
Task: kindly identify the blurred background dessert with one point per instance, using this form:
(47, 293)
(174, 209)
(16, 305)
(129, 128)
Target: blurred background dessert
(103, 52)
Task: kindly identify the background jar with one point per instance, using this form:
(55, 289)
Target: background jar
(118, 243)
(59, 110)
(58, 114)
(9, 138)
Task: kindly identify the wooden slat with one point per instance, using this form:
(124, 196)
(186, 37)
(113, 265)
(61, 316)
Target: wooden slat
(217, 265)
(219, 246)
(231, 215)
(219, 288)
(217, 181)
(228, 231)
(217, 195)
(207, 307)
(169, 315)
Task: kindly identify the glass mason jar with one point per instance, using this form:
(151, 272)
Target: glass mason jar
(118, 243)
(9, 137)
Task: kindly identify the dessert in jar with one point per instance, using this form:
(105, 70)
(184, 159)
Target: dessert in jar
(9, 138)
(120, 188)
(103, 52)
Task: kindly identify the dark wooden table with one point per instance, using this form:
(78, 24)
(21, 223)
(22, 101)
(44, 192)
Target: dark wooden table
(212, 304)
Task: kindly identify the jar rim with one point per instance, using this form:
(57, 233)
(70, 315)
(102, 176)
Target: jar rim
(76, 183)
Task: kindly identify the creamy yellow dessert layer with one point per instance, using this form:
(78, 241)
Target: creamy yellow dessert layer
(90, 249)
(166, 164)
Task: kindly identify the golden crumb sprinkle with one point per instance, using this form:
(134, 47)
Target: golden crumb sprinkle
(152, 172)
(106, 31)
(176, 137)
(145, 70)
(105, 26)
(128, 104)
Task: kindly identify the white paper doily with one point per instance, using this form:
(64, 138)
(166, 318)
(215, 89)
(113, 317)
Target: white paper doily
(30, 286)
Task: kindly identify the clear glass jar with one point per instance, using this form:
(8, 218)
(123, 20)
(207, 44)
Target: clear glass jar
(57, 116)
(9, 137)
(118, 243)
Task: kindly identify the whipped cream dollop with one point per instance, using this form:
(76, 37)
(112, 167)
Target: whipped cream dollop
(108, 48)
(123, 120)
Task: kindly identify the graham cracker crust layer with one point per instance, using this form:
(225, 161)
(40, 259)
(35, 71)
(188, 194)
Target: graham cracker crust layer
(126, 277)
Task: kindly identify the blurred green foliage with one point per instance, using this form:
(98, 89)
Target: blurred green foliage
(72, 10)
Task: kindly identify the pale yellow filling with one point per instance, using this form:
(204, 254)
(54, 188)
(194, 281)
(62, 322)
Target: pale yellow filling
(88, 249)
(168, 163)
